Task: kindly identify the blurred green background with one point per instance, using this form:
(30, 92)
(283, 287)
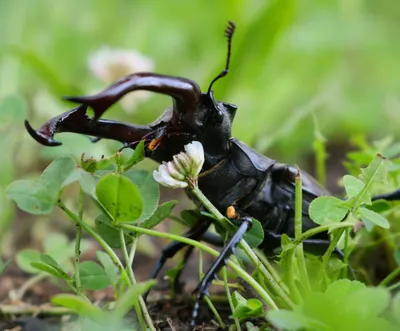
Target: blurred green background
(291, 59)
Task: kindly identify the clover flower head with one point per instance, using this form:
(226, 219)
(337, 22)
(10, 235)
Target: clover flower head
(184, 168)
(110, 64)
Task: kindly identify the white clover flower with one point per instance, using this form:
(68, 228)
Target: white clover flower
(183, 170)
(110, 64)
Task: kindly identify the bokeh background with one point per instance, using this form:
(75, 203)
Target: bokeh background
(292, 61)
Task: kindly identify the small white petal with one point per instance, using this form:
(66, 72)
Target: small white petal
(157, 177)
(162, 177)
(166, 176)
(194, 149)
(185, 161)
(195, 152)
(174, 172)
(182, 163)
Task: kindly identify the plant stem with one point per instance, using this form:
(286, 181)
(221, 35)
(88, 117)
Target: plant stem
(28, 284)
(271, 269)
(320, 152)
(146, 314)
(298, 229)
(228, 295)
(78, 239)
(132, 278)
(267, 275)
(98, 238)
(346, 251)
(331, 248)
(125, 254)
(390, 277)
(242, 273)
(394, 286)
(129, 261)
(214, 311)
(322, 228)
(33, 310)
(110, 252)
(206, 298)
(133, 250)
(245, 247)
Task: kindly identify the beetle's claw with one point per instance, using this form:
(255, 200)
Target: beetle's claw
(44, 137)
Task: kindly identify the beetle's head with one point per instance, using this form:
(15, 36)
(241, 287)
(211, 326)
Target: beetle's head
(193, 116)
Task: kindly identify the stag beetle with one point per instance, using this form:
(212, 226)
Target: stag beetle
(240, 182)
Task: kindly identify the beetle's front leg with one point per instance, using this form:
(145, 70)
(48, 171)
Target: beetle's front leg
(229, 249)
(174, 247)
(316, 246)
(392, 196)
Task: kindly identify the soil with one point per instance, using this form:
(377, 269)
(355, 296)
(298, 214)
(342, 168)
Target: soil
(167, 314)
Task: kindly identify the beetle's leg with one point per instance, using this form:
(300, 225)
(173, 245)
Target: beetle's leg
(316, 246)
(174, 247)
(212, 238)
(229, 249)
(77, 121)
(209, 238)
(185, 92)
(176, 284)
(392, 196)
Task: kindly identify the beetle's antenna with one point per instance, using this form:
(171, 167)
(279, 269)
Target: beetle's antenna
(230, 29)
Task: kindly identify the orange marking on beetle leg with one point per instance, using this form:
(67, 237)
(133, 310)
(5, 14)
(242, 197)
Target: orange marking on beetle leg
(154, 143)
(231, 212)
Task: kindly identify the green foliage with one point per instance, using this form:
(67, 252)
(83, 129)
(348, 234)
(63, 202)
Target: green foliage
(111, 192)
(49, 265)
(136, 157)
(189, 217)
(25, 257)
(359, 193)
(161, 213)
(149, 190)
(121, 197)
(57, 249)
(327, 209)
(109, 232)
(132, 196)
(345, 305)
(39, 196)
(108, 265)
(123, 304)
(100, 319)
(78, 305)
(245, 308)
(255, 235)
(93, 276)
(91, 165)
